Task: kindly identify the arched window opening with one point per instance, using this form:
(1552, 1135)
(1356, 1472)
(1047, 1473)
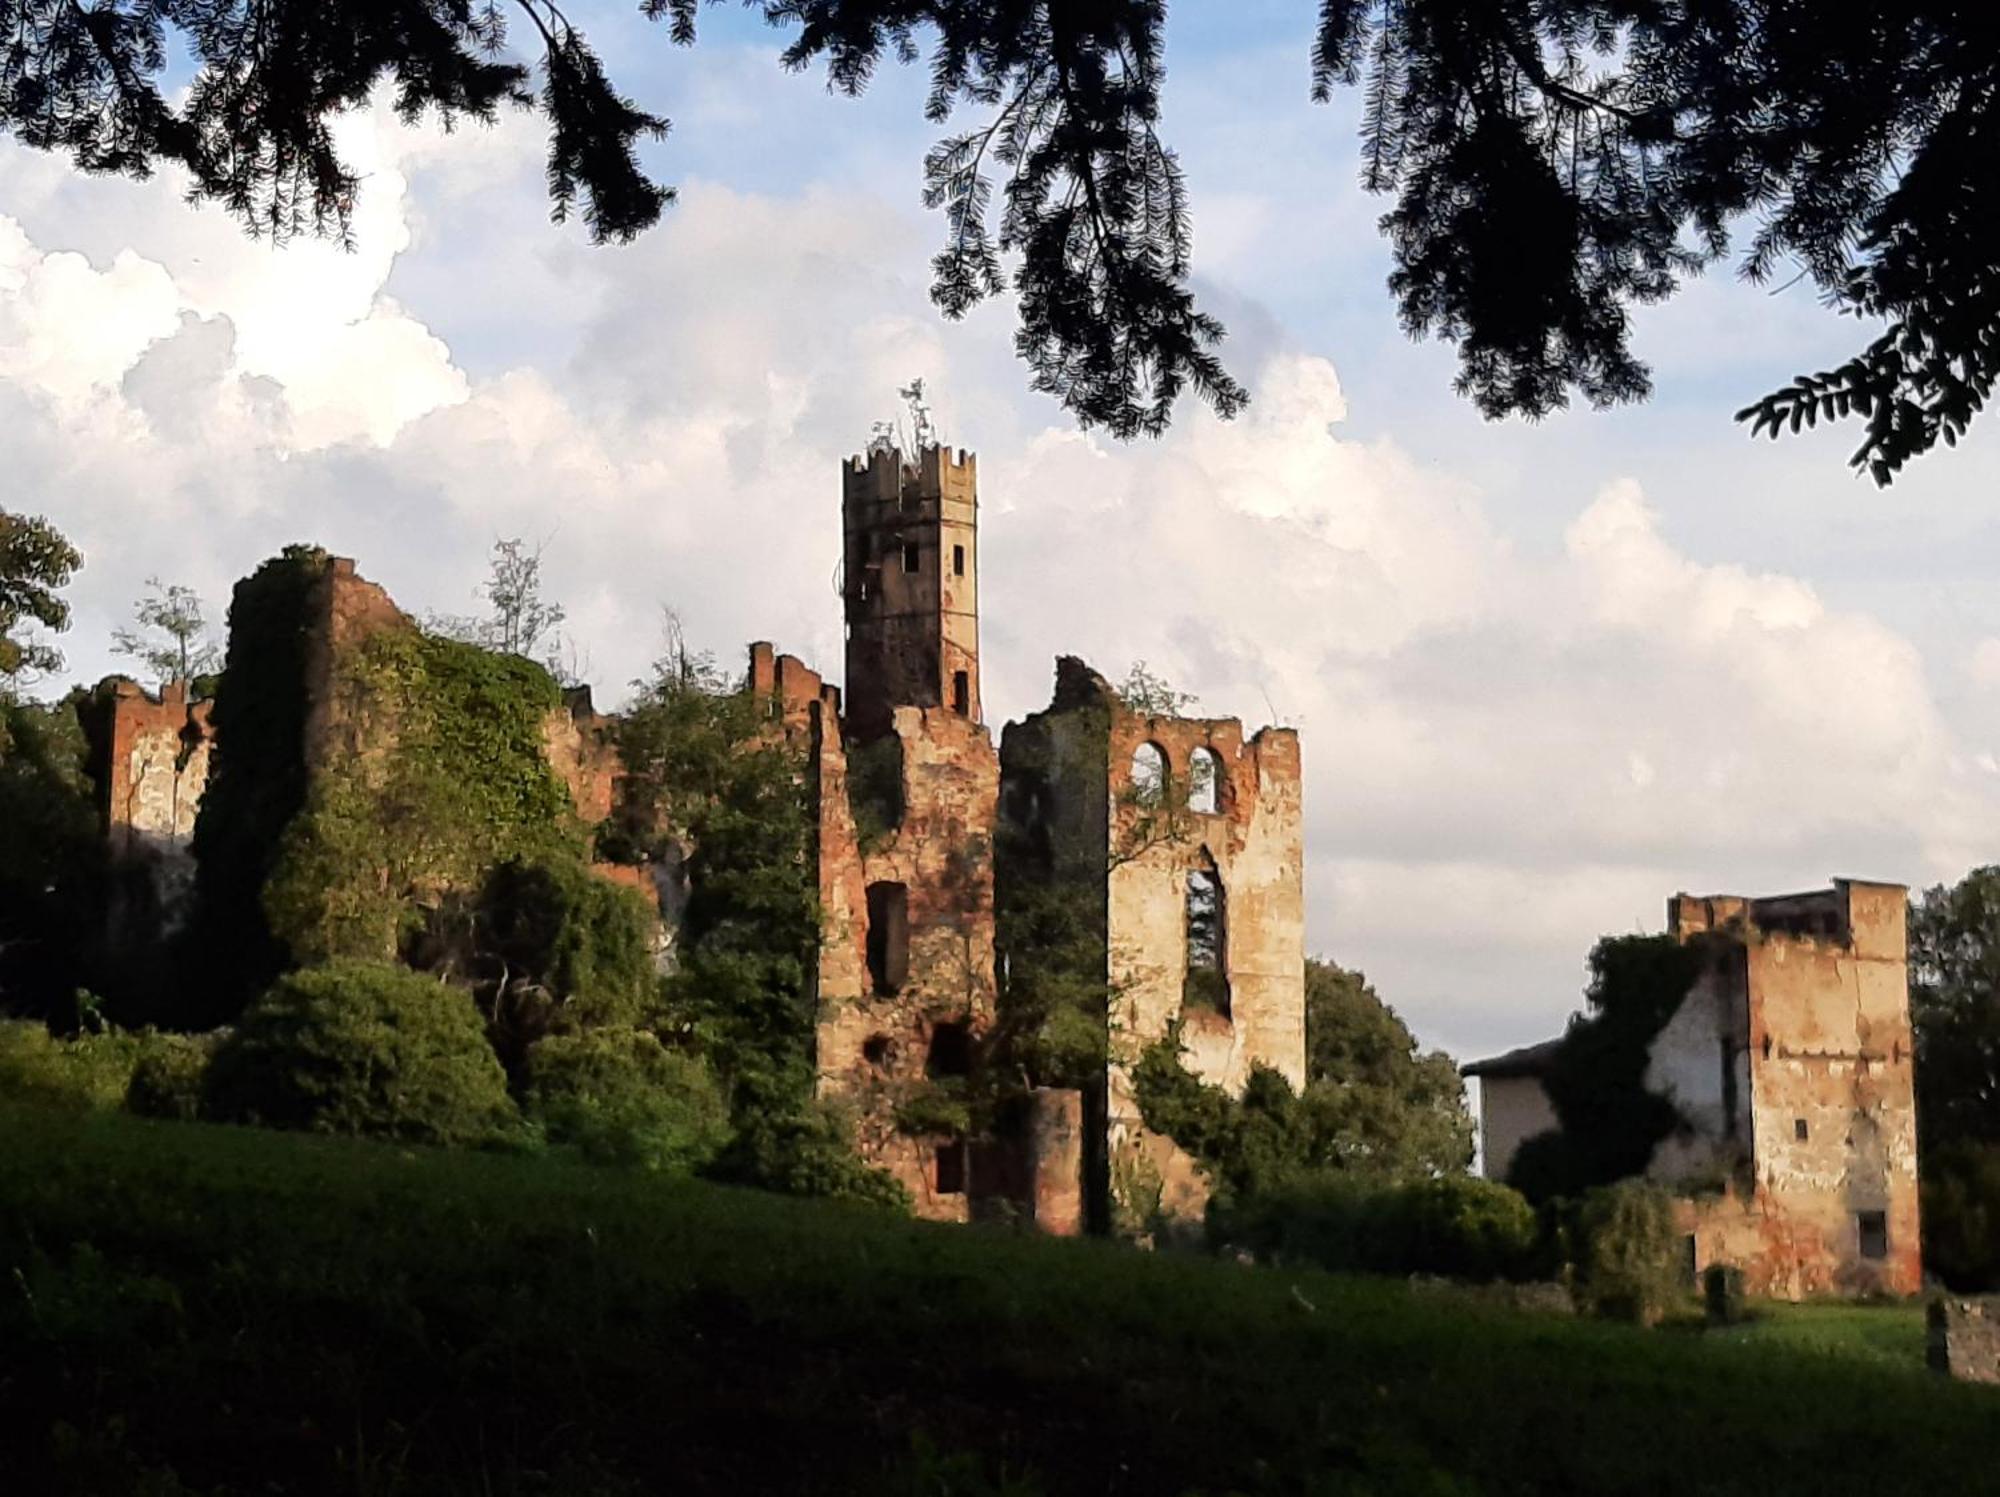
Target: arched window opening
(1204, 782)
(888, 937)
(950, 1052)
(1149, 774)
(1207, 983)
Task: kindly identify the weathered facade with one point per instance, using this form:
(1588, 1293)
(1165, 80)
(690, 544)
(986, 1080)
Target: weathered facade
(1790, 1064)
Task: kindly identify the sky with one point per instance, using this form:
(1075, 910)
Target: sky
(1546, 674)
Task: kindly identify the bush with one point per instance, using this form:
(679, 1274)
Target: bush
(91, 1070)
(1628, 1252)
(170, 1075)
(619, 1096)
(808, 1151)
(1454, 1225)
(360, 1047)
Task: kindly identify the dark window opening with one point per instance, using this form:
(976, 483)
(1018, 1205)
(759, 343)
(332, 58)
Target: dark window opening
(958, 561)
(961, 692)
(1799, 1129)
(909, 556)
(951, 1051)
(878, 1050)
(1207, 983)
(888, 937)
(867, 548)
(1728, 1088)
(951, 1168)
(1873, 1229)
(1693, 1251)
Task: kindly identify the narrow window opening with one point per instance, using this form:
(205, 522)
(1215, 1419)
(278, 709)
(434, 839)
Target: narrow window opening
(951, 1168)
(961, 693)
(1873, 1229)
(1149, 774)
(1204, 782)
(1728, 1088)
(951, 1051)
(1692, 1250)
(888, 937)
(909, 556)
(958, 561)
(878, 1051)
(1799, 1129)
(1207, 984)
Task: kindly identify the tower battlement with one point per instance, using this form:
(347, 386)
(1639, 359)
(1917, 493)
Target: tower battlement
(910, 590)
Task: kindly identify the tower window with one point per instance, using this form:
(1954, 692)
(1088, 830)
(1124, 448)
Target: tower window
(961, 693)
(958, 561)
(888, 937)
(1207, 984)
(1204, 782)
(909, 556)
(1149, 774)
(1799, 1129)
(1873, 1229)
(950, 1052)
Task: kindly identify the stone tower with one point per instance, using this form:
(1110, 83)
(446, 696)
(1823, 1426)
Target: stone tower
(910, 589)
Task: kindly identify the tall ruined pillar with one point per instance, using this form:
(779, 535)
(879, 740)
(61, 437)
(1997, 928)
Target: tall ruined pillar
(911, 591)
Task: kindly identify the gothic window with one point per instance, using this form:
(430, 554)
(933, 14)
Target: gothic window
(888, 937)
(1207, 982)
(1149, 774)
(1204, 782)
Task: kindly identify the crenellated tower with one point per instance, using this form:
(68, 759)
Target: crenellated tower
(911, 592)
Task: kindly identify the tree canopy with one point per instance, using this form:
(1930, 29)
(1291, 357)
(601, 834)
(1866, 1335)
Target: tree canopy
(1552, 164)
(35, 564)
(172, 638)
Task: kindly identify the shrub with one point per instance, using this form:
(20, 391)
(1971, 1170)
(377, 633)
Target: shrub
(1453, 1225)
(90, 1070)
(1628, 1253)
(169, 1075)
(619, 1096)
(807, 1151)
(360, 1047)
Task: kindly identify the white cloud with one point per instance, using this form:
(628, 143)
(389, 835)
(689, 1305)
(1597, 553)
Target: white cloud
(1519, 735)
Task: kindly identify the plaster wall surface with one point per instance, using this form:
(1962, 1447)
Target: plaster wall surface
(1831, 1205)
(1512, 1110)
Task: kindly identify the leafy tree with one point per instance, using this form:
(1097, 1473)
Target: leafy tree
(35, 562)
(51, 860)
(1398, 1109)
(1553, 163)
(172, 639)
(519, 620)
(1146, 692)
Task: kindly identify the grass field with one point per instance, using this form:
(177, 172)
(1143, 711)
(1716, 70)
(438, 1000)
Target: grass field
(194, 1309)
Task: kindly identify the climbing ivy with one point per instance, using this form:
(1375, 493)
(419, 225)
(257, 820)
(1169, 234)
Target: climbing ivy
(1609, 1122)
(255, 788)
(436, 773)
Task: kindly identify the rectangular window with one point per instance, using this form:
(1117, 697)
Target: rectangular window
(961, 693)
(1873, 1229)
(951, 1168)
(958, 561)
(909, 556)
(1799, 1129)
(888, 944)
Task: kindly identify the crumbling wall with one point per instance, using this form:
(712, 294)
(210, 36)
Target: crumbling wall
(1512, 1110)
(1833, 1202)
(154, 754)
(1964, 1338)
(1700, 1062)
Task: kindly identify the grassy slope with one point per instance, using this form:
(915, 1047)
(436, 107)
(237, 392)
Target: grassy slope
(262, 1313)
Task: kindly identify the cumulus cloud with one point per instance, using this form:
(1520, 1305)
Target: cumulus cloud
(1519, 735)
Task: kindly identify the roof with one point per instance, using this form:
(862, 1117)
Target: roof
(1529, 1060)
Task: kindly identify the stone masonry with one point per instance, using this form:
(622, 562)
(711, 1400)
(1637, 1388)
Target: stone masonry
(1790, 1063)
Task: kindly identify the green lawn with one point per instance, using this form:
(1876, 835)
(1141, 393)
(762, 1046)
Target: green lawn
(195, 1309)
(1889, 1336)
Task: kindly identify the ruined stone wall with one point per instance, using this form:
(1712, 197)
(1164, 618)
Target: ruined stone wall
(155, 754)
(884, 1036)
(1700, 1061)
(1964, 1338)
(1832, 1206)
